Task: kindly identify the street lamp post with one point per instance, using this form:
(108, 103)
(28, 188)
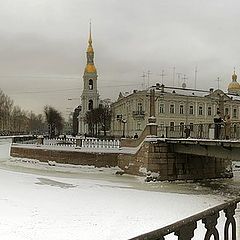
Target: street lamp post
(124, 121)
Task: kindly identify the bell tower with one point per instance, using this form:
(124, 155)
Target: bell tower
(90, 95)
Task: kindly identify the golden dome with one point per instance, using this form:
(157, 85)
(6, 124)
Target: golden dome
(234, 86)
(90, 68)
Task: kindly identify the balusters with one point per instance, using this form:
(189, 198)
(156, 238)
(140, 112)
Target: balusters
(229, 213)
(210, 223)
(186, 232)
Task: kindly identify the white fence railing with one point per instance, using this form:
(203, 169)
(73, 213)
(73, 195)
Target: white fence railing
(83, 143)
(98, 143)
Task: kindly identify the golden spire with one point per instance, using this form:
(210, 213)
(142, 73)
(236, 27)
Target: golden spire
(90, 34)
(90, 48)
(90, 68)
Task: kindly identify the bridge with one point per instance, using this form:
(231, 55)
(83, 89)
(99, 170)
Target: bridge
(227, 149)
(180, 158)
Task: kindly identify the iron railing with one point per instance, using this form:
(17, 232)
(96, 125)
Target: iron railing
(139, 114)
(202, 131)
(184, 229)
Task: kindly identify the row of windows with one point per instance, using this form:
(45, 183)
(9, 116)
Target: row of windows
(191, 110)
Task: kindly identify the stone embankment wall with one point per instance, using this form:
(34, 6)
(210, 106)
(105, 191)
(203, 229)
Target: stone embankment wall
(152, 156)
(158, 157)
(67, 157)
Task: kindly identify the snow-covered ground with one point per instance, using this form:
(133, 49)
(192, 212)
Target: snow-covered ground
(38, 201)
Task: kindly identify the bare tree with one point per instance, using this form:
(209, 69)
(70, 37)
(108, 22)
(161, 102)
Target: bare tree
(54, 119)
(98, 119)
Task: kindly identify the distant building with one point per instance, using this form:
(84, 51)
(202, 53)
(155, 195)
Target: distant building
(90, 95)
(174, 106)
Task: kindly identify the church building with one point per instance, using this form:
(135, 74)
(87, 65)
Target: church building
(90, 95)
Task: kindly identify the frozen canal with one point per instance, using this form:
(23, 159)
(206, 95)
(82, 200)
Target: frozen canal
(38, 201)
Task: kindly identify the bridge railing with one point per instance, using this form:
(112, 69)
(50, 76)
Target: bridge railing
(203, 131)
(184, 229)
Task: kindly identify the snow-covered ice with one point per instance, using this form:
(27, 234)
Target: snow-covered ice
(38, 201)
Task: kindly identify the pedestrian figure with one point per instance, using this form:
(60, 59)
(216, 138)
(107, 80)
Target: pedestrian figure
(135, 136)
(217, 125)
(187, 131)
(227, 127)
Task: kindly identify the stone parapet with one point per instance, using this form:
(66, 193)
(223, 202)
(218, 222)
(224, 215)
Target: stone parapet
(67, 157)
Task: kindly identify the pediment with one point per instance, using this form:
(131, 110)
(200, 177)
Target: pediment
(218, 93)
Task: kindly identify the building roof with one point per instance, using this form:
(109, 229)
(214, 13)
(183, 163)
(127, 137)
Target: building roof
(181, 92)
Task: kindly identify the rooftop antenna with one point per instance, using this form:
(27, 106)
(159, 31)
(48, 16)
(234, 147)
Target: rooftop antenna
(162, 75)
(144, 78)
(195, 78)
(184, 81)
(148, 76)
(218, 82)
(179, 77)
(173, 76)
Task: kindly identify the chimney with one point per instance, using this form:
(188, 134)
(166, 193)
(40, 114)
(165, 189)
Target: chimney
(211, 90)
(162, 88)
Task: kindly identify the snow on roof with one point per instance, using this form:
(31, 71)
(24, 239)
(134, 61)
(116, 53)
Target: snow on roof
(186, 92)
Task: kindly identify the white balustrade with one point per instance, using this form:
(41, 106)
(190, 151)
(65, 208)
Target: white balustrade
(86, 143)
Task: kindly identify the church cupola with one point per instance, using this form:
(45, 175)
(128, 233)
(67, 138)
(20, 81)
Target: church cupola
(234, 86)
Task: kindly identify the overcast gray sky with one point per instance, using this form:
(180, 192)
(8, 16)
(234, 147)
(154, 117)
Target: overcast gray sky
(43, 45)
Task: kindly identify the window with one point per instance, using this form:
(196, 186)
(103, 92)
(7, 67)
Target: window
(200, 110)
(138, 126)
(171, 110)
(171, 126)
(226, 111)
(191, 110)
(181, 109)
(234, 112)
(90, 105)
(139, 107)
(161, 108)
(161, 126)
(209, 111)
(90, 84)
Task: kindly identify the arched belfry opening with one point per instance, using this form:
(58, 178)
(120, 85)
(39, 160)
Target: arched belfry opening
(90, 84)
(90, 105)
